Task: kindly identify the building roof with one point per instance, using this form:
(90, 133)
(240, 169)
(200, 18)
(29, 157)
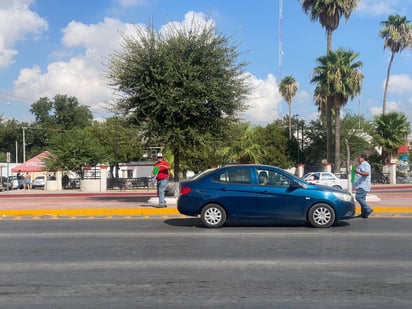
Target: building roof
(35, 164)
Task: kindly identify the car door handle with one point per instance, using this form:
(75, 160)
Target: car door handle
(223, 189)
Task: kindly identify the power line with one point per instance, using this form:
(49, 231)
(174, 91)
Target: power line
(17, 97)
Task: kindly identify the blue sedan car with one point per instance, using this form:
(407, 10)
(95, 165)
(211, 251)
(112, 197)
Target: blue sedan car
(252, 191)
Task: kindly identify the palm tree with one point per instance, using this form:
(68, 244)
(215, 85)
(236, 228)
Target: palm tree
(328, 12)
(245, 149)
(287, 88)
(397, 34)
(392, 130)
(338, 78)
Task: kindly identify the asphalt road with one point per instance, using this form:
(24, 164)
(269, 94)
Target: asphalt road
(176, 263)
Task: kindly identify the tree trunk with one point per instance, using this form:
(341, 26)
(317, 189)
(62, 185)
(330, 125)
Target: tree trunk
(329, 38)
(329, 134)
(329, 110)
(385, 92)
(176, 168)
(290, 120)
(337, 139)
(348, 166)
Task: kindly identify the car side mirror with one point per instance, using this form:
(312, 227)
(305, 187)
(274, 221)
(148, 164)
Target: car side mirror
(294, 185)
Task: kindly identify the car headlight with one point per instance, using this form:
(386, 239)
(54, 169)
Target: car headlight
(343, 196)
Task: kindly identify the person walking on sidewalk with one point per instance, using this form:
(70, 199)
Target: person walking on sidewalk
(27, 181)
(161, 172)
(20, 180)
(363, 185)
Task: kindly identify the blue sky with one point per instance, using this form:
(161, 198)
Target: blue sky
(50, 47)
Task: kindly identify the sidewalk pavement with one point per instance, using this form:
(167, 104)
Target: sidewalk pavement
(386, 200)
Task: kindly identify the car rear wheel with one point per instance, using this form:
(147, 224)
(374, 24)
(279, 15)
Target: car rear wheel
(213, 215)
(321, 215)
(337, 187)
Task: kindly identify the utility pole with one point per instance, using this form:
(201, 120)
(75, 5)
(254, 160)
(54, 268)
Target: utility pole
(24, 144)
(280, 47)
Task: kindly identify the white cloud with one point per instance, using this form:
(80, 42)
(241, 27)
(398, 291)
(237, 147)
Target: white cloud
(391, 106)
(381, 7)
(193, 21)
(400, 84)
(73, 78)
(17, 21)
(265, 101)
(82, 76)
(130, 3)
(97, 40)
(375, 111)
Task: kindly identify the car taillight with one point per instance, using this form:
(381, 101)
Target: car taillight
(185, 190)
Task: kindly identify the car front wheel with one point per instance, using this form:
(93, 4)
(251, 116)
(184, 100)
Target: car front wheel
(321, 215)
(213, 215)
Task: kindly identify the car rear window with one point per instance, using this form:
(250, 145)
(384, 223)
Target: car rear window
(237, 175)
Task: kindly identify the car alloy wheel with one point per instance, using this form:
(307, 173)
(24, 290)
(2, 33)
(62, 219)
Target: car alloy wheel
(213, 215)
(321, 215)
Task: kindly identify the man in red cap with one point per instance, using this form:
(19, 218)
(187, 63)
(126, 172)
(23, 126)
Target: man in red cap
(161, 171)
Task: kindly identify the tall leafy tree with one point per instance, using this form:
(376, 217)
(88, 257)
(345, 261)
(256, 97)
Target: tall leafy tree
(246, 149)
(74, 149)
(122, 142)
(338, 77)
(396, 31)
(63, 113)
(392, 130)
(276, 145)
(329, 13)
(288, 87)
(179, 85)
(354, 128)
(315, 136)
(53, 117)
(10, 138)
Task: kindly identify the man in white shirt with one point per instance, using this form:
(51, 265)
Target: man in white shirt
(363, 185)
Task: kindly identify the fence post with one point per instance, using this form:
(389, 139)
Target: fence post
(59, 180)
(301, 169)
(103, 178)
(327, 167)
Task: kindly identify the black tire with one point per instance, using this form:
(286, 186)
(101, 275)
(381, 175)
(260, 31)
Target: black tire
(321, 216)
(337, 187)
(213, 215)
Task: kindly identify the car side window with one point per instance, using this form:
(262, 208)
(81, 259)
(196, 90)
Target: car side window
(263, 177)
(236, 175)
(327, 176)
(274, 179)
